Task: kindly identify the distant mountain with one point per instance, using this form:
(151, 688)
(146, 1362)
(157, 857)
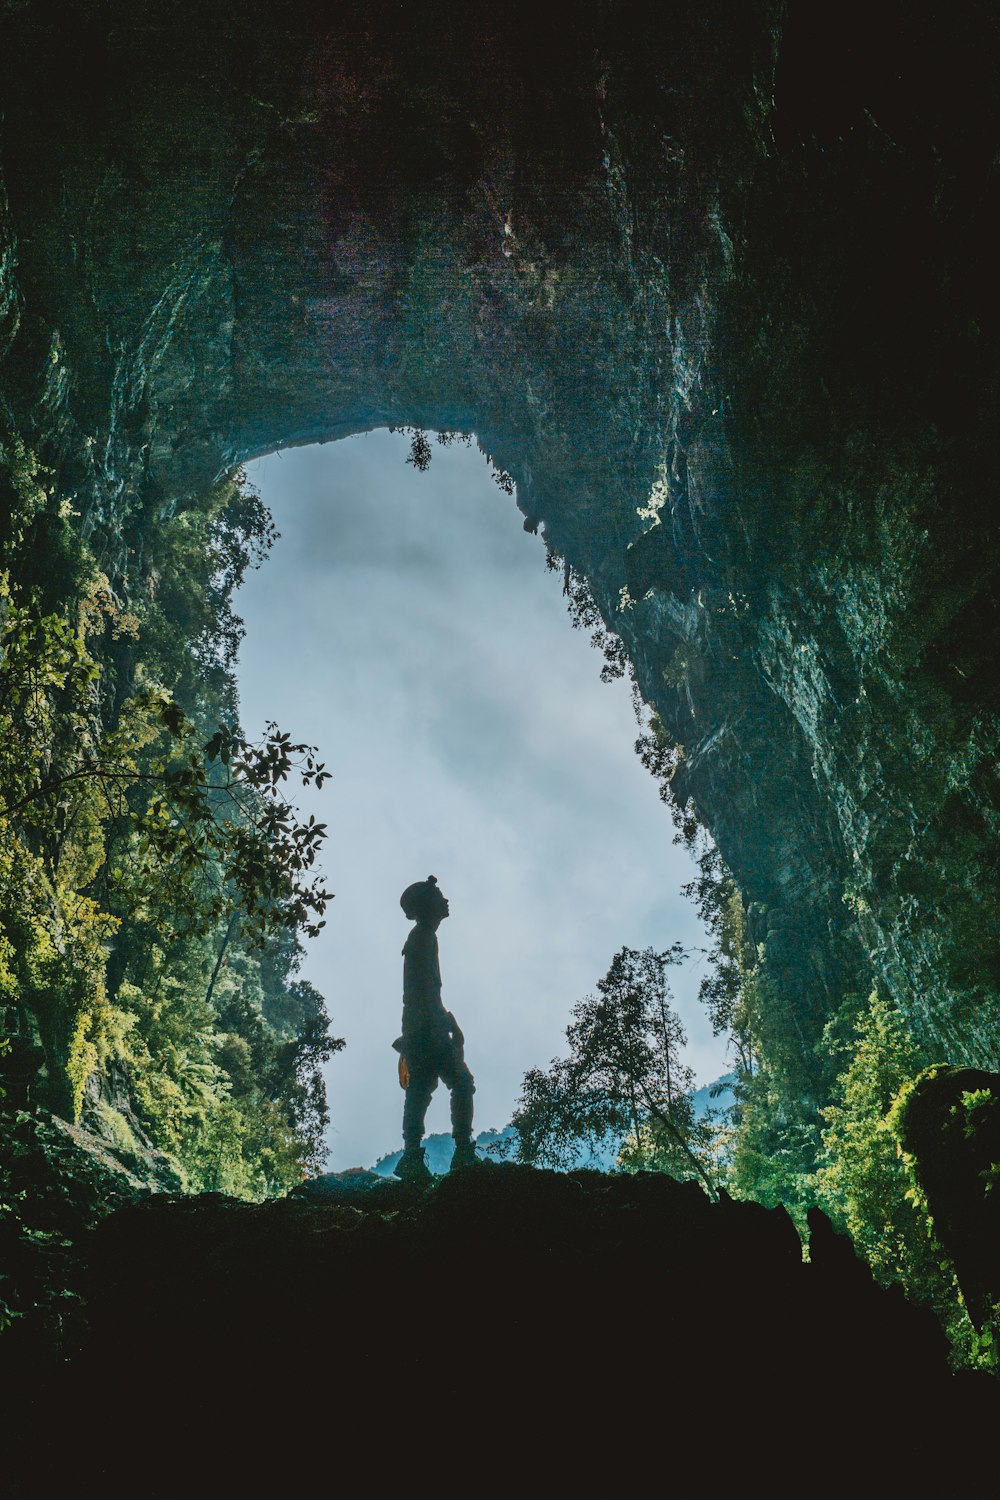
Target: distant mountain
(439, 1150)
(497, 1145)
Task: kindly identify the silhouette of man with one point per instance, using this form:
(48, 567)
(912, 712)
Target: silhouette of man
(431, 1046)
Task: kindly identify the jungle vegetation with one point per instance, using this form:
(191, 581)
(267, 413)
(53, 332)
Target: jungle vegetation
(155, 883)
(825, 1130)
(816, 1130)
(155, 880)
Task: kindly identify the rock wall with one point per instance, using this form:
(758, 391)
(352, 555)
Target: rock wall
(725, 321)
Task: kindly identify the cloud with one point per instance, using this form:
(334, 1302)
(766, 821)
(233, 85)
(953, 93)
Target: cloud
(407, 625)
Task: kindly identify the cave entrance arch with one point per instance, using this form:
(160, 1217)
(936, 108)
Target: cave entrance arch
(236, 235)
(236, 239)
(406, 624)
(225, 233)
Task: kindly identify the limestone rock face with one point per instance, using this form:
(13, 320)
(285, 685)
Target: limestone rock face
(726, 324)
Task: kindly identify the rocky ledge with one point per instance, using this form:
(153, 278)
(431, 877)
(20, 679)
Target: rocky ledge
(504, 1321)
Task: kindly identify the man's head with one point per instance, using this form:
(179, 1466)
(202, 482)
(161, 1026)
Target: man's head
(423, 902)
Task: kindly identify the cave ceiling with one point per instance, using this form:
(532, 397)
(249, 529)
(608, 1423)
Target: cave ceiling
(713, 284)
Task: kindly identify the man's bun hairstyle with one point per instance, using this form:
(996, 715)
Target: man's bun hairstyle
(414, 898)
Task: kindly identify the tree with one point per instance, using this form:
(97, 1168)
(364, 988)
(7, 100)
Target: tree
(864, 1181)
(727, 990)
(154, 876)
(201, 828)
(420, 453)
(585, 615)
(624, 1076)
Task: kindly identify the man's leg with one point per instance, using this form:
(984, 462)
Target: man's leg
(423, 1081)
(455, 1072)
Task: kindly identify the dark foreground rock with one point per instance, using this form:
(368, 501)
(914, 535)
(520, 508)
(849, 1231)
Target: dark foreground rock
(504, 1325)
(57, 1181)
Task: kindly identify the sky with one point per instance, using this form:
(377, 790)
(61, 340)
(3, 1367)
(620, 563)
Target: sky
(405, 623)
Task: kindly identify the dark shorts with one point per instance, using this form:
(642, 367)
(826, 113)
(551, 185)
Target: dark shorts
(442, 1061)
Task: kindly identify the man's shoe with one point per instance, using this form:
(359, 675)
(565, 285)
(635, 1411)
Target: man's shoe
(412, 1167)
(465, 1156)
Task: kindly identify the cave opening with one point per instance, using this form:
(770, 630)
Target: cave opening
(406, 625)
(673, 253)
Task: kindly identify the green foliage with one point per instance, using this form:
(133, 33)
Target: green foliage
(863, 1178)
(769, 1149)
(421, 453)
(731, 988)
(624, 1077)
(585, 615)
(216, 829)
(193, 564)
(774, 1146)
(790, 1147)
(154, 877)
(662, 758)
(864, 1181)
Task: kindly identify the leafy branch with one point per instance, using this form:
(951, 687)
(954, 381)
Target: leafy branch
(204, 828)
